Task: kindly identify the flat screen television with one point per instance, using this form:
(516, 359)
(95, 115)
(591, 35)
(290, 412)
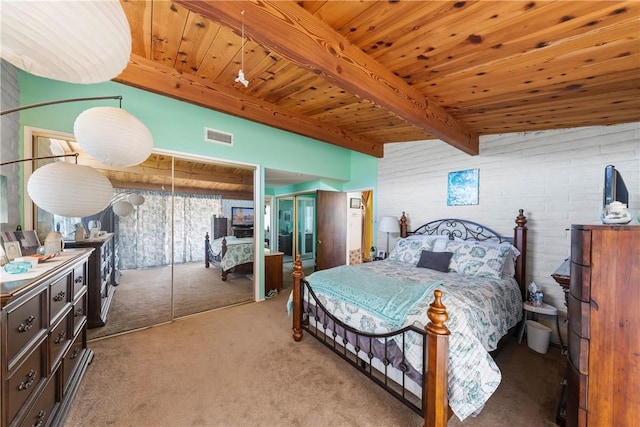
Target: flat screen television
(241, 217)
(614, 188)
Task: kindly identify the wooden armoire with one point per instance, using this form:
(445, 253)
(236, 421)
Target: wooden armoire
(603, 373)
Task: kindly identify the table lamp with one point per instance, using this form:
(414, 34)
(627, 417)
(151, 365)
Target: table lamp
(389, 224)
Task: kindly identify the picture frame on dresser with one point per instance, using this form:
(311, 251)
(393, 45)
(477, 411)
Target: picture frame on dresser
(12, 250)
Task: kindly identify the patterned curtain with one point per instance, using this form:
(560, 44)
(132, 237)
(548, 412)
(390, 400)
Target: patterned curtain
(145, 235)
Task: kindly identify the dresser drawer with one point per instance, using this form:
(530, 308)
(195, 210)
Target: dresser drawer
(581, 246)
(25, 322)
(577, 386)
(578, 312)
(59, 338)
(42, 410)
(579, 353)
(26, 379)
(72, 357)
(59, 297)
(79, 313)
(79, 280)
(580, 282)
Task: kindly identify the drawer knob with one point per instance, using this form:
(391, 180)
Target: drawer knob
(79, 279)
(40, 418)
(60, 337)
(79, 312)
(75, 353)
(59, 296)
(28, 382)
(28, 324)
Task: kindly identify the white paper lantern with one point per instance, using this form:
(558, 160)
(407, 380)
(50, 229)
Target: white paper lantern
(71, 41)
(122, 208)
(113, 136)
(68, 189)
(136, 199)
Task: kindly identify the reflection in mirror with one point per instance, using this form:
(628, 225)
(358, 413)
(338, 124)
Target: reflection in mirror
(154, 268)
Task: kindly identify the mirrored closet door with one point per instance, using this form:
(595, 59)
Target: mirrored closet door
(149, 243)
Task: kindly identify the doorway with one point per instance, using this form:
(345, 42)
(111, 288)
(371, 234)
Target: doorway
(296, 226)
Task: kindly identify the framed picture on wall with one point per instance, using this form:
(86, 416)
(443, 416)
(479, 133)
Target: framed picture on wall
(354, 203)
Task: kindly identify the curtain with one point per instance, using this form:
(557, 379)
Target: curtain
(145, 235)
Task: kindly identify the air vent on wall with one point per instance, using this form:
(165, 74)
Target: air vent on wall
(213, 135)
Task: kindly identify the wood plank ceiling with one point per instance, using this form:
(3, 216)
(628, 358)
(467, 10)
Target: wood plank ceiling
(360, 74)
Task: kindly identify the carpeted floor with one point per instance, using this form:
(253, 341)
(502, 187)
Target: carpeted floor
(240, 367)
(143, 297)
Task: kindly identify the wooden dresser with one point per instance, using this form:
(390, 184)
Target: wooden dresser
(102, 276)
(603, 373)
(44, 351)
(272, 271)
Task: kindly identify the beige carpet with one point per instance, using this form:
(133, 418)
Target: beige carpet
(143, 297)
(239, 366)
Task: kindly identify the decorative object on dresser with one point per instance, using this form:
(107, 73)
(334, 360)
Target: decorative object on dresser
(414, 363)
(44, 351)
(102, 274)
(603, 373)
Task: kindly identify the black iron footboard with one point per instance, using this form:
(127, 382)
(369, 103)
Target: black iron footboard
(364, 350)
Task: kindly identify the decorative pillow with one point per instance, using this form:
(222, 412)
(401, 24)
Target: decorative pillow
(439, 242)
(477, 260)
(409, 250)
(435, 260)
(509, 267)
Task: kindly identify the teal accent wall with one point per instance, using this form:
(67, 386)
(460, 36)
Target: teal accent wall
(179, 126)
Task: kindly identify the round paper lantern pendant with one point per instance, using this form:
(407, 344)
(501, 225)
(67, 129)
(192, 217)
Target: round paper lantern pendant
(122, 208)
(68, 189)
(71, 41)
(113, 136)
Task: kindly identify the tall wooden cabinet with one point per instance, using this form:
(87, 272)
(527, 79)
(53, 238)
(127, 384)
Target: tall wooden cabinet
(603, 374)
(43, 351)
(218, 227)
(103, 273)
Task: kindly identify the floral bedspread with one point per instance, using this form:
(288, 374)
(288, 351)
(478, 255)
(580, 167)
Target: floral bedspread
(239, 251)
(481, 311)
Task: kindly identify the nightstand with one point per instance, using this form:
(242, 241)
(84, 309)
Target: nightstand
(545, 309)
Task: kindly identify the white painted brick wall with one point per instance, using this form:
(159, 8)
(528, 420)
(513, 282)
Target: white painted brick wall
(555, 176)
(9, 141)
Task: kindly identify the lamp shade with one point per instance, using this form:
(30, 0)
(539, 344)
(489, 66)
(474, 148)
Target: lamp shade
(122, 208)
(68, 189)
(389, 224)
(113, 136)
(71, 41)
(136, 199)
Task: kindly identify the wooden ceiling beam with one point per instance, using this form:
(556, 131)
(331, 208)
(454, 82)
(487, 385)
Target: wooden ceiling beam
(293, 33)
(164, 80)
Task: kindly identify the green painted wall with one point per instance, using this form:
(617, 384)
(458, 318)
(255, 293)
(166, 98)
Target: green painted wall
(179, 126)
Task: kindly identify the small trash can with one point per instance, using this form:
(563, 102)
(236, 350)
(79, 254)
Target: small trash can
(538, 336)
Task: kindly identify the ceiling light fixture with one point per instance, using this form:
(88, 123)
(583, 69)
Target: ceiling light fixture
(71, 41)
(240, 78)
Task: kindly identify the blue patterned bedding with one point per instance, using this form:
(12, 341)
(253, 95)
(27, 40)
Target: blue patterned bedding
(239, 251)
(481, 311)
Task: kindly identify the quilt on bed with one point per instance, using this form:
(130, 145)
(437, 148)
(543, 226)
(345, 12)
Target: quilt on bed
(239, 251)
(481, 311)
